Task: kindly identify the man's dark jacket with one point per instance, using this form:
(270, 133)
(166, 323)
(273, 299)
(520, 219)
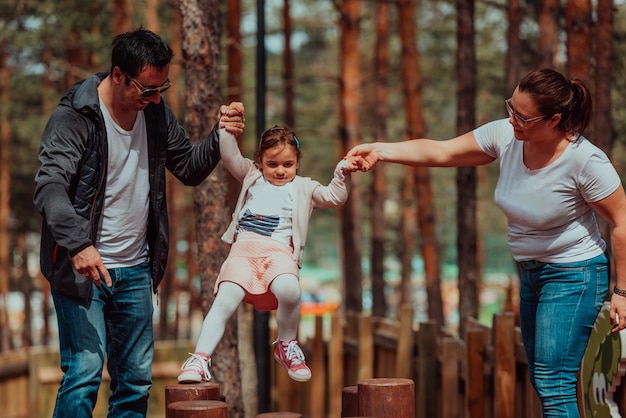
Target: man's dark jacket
(69, 186)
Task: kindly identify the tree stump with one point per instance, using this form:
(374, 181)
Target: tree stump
(197, 409)
(387, 398)
(350, 401)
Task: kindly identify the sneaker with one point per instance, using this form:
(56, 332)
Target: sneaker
(291, 356)
(195, 369)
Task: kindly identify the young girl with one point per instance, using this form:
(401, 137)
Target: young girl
(267, 233)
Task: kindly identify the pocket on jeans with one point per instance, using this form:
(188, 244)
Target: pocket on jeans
(602, 284)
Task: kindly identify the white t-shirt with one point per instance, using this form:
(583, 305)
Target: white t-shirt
(122, 240)
(548, 215)
(268, 211)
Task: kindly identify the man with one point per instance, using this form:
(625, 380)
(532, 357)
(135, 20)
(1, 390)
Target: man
(101, 192)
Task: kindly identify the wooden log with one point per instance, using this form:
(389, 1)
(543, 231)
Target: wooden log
(279, 415)
(350, 401)
(387, 398)
(197, 409)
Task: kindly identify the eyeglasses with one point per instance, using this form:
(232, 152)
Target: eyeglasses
(149, 91)
(519, 120)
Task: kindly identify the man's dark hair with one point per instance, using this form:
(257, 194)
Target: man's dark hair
(132, 51)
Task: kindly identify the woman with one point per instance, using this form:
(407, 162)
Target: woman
(552, 182)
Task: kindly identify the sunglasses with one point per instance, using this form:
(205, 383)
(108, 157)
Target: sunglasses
(148, 91)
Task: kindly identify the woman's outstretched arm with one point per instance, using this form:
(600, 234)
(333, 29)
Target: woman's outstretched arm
(462, 151)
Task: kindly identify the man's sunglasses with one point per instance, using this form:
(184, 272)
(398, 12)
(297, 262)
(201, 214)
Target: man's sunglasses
(148, 91)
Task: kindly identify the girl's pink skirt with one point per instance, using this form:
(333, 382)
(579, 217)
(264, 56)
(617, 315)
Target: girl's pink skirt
(253, 263)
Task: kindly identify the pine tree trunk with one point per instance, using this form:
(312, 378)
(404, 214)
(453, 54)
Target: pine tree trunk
(513, 62)
(548, 33)
(201, 45)
(378, 189)
(467, 255)
(578, 25)
(412, 80)
(349, 104)
(5, 180)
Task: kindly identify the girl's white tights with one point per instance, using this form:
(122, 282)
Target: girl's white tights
(285, 287)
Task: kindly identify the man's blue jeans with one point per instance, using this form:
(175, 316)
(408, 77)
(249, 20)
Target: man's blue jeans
(559, 305)
(117, 321)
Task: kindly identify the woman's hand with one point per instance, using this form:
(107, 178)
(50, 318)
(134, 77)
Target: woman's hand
(367, 156)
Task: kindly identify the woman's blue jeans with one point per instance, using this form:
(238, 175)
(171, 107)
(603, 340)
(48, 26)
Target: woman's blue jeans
(559, 305)
(117, 321)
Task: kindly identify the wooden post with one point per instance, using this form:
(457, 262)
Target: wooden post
(279, 415)
(197, 409)
(404, 356)
(366, 347)
(335, 365)
(450, 371)
(504, 372)
(387, 398)
(350, 401)
(427, 378)
(206, 391)
(317, 386)
(474, 382)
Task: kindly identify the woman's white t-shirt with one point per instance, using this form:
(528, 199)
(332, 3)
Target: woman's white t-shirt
(547, 209)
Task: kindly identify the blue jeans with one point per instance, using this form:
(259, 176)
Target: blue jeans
(558, 308)
(117, 322)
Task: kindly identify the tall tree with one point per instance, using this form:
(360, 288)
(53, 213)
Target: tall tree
(548, 33)
(201, 46)
(578, 25)
(412, 81)
(466, 180)
(512, 63)
(602, 120)
(122, 12)
(288, 77)
(349, 101)
(379, 102)
(5, 136)
(604, 27)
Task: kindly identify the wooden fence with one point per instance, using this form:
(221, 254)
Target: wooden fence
(483, 375)
(29, 380)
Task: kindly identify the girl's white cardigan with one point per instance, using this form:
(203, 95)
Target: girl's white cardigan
(310, 194)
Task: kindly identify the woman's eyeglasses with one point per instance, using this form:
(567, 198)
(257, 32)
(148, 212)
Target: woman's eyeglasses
(519, 120)
(149, 91)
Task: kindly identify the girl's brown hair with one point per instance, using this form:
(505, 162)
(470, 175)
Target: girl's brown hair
(276, 136)
(553, 94)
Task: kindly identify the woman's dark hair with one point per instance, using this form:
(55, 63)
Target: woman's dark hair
(274, 136)
(132, 51)
(553, 94)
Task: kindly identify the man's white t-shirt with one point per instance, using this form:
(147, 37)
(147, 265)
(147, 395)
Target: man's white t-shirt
(122, 240)
(548, 214)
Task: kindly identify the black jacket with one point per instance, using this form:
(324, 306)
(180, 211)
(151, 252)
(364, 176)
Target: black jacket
(69, 186)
